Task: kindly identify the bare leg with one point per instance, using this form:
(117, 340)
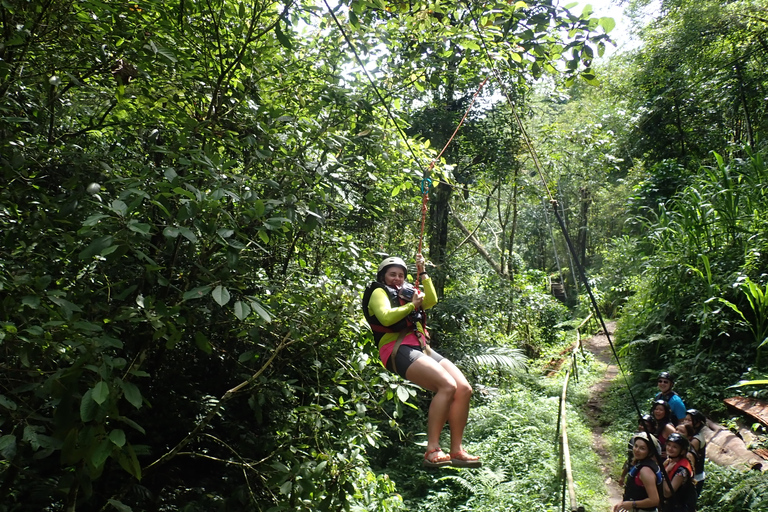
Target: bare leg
(430, 375)
(459, 411)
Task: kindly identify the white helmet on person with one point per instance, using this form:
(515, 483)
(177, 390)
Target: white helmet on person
(389, 262)
(649, 438)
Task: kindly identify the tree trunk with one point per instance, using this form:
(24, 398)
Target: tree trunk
(581, 240)
(514, 215)
(743, 96)
(438, 240)
(679, 124)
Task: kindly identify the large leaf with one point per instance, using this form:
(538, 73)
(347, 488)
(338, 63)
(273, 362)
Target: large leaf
(100, 392)
(131, 393)
(8, 446)
(220, 295)
(97, 246)
(242, 310)
(281, 37)
(197, 293)
(88, 407)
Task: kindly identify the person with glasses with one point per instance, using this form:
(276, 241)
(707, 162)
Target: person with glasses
(666, 383)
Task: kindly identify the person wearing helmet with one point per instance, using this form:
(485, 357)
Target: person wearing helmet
(679, 491)
(646, 424)
(697, 421)
(685, 430)
(395, 310)
(641, 491)
(665, 382)
(664, 427)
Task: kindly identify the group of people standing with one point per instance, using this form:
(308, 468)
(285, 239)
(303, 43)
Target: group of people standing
(665, 461)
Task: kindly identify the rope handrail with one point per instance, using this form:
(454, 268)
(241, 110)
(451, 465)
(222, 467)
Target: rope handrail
(562, 435)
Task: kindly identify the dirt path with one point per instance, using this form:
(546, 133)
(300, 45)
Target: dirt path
(598, 345)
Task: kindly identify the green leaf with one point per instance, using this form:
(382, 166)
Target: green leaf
(129, 462)
(402, 393)
(259, 309)
(139, 227)
(165, 52)
(119, 505)
(100, 455)
(197, 293)
(117, 437)
(119, 207)
(608, 24)
(96, 247)
(131, 393)
(30, 436)
(131, 424)
(221, 295)
(171, 232)
(188, 234)
(100, 392)
(281, 37)
(201, 340)
(8, 446)
(242, 310)
(7, 403)
(31, 301)
(94, 219)
(264, 236)
(470, 45)
(88, 407)
(286, 488)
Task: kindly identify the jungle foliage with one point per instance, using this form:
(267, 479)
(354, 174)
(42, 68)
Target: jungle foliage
(193, 196)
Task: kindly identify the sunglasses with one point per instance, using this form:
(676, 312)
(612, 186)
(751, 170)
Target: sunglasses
(663, 381)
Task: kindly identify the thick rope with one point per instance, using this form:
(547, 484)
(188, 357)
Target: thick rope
(426, 182)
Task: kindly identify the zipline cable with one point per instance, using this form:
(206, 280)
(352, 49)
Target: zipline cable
(656, 455)
(370, 80)
(553, 202)
(426, 182)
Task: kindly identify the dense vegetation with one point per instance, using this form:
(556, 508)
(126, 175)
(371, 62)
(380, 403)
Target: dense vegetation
(194, 196)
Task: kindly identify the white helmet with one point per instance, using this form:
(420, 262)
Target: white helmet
(650, 438)
(388, 263)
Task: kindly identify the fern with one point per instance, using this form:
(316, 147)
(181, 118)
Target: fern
(482, 484)
(512, 360)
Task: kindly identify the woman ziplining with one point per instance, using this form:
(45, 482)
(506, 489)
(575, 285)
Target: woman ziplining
(395, 310)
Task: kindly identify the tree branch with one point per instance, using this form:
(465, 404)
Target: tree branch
(480, 249)
(227, 396)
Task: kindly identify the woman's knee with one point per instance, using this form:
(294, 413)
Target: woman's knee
(463, 389)
(448, 385)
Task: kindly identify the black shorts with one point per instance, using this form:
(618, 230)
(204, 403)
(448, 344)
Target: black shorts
(407, 354)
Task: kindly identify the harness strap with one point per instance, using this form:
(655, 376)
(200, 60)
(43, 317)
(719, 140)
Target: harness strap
(423, 343)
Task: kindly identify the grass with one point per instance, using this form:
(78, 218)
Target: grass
(515, 431)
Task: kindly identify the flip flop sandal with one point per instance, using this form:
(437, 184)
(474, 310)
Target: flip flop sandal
(439, 459)
(462, 459)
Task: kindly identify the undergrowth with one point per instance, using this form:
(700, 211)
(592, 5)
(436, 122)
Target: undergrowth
(514, 430)
(726, 489)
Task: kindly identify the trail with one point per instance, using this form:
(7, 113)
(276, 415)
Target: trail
(598, 345)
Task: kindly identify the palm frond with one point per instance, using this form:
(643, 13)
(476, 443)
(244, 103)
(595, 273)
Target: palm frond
(499, 358)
